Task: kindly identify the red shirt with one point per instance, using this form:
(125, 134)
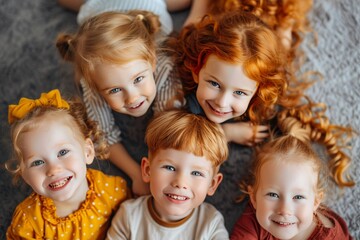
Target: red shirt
(247, 227)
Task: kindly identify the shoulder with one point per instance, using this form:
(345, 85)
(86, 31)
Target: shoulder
(112, 188)
(332, 225)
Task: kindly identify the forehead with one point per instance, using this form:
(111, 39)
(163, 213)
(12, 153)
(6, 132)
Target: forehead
(226, 70)
(288, 174)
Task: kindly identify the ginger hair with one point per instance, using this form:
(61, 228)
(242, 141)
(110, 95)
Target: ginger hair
(240, 38)
(333, 137)
(112, 38)
(278, 14)
(75, 117)
(188, 132)
(293, 146)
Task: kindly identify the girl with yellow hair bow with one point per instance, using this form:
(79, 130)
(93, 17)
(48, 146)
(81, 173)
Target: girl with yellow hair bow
(53, 141)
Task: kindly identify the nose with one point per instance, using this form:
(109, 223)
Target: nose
(132, 96)
(52, 169)
(284, 207)
(223, 100)
(180, 181)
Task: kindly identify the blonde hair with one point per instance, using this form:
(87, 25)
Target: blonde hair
(188, 132)
(75, 116)
(112, 38)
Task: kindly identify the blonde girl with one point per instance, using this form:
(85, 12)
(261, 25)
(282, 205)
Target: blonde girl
(53, 141)
(286, 189)
(124, 80)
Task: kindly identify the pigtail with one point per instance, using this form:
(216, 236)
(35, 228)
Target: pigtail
(64, 44)
(311, 116)
(150, 20)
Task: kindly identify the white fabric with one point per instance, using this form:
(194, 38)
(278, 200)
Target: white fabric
(134, 221)
(158, 7)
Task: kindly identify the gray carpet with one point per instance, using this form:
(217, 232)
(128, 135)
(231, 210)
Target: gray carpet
(30, 65)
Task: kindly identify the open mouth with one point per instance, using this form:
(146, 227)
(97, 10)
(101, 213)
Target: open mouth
(60, 184)
(216, 112)
(176, 197)
(136, 106)
(283, 224)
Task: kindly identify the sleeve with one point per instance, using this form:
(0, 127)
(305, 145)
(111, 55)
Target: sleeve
(247, 226)
(219, 230)
(98, 110)
(120, 227)
(21, 228)
(168, 86)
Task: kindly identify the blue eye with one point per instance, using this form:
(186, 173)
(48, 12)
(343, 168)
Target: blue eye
(168, 167)
(115, 90)
(274, 195)
(62, 152)
(240, 93)
(298, 197)
(138, 79)
(197, 173)
(214, 84)
(37, 163)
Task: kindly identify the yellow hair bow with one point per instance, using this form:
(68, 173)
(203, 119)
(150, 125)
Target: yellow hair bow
(26, 105)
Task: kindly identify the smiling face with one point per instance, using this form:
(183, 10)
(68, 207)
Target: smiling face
(54, 160)
(179, 182)
(129, 88)
(285, 199)
(224, 91)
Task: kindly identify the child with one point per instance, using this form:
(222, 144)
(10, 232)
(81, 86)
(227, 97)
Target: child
(233, 72)
(286, 190)
(53, 141)
(123, 81)
(234, 64)
(185, 153)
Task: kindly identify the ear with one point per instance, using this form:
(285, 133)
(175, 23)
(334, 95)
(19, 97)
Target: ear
(252, 196)
(215, 183)
(89, 151)
(145, 169)
(195, 77)
(153, 66)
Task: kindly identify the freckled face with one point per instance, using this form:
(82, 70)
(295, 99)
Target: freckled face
(224, 91)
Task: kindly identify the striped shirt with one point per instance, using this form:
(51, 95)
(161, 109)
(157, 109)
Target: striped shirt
(168, 87)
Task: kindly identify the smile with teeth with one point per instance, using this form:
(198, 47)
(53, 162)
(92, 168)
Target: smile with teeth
(218, 112)
(136, 106)
(283, 223)
(177, 197)
(60, 184)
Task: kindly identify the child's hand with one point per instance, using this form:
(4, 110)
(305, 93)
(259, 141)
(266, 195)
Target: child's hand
(140, 188)
(245, 133)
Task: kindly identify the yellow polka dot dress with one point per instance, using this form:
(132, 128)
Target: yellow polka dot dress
(35, 217)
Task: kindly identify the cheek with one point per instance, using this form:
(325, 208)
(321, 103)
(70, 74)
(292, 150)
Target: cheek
(114, 102)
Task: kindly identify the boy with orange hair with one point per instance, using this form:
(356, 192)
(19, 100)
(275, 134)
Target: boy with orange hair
(185, 154)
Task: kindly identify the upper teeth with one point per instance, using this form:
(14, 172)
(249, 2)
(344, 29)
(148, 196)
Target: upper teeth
(59, 184)
(176, 197)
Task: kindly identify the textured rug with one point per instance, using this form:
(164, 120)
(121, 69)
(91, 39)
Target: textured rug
(29, 65)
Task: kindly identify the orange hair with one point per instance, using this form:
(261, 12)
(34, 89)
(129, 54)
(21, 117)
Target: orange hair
(188, 132)
(241, 38)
